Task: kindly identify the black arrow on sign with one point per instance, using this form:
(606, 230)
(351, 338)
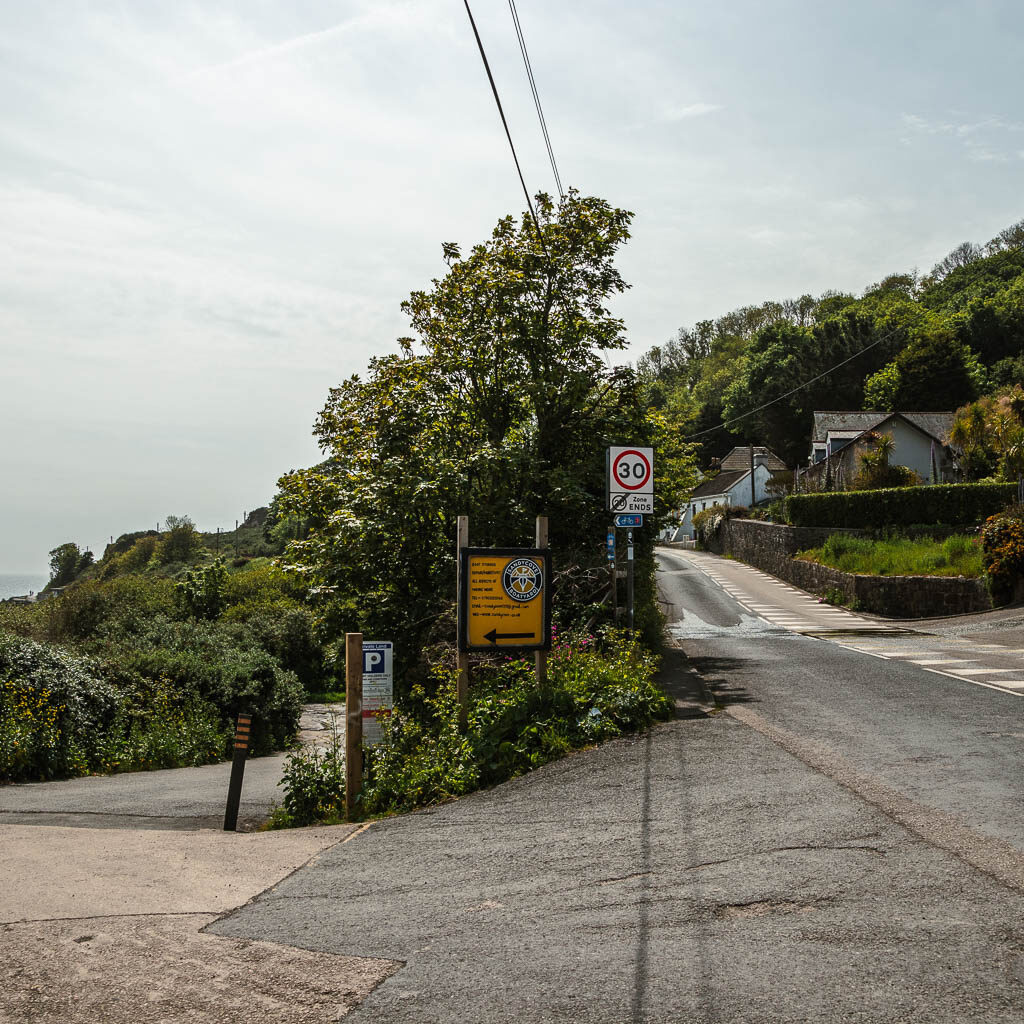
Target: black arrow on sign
(494, 636)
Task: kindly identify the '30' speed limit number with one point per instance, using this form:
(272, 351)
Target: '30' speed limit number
(631, 479)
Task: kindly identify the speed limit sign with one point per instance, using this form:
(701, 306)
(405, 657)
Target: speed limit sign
(631, 479)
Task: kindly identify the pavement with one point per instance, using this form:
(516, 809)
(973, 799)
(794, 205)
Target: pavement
(98, 925)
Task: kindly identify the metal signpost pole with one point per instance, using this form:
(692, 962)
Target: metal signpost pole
(353, 721)
(462, 683)
(629, 577)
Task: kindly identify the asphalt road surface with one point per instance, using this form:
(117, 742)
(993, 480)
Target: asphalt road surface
(841, 841)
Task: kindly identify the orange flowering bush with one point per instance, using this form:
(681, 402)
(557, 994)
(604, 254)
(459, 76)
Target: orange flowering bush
(1002, 542)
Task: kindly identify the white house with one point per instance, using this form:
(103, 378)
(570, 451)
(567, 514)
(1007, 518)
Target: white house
(731, 486)
(919, 443)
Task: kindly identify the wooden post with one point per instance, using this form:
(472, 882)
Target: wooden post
(353, 721)
(462, 683)
(540, 658)
(243, 724)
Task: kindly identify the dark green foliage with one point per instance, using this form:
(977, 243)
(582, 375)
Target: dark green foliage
(222, 665)
(933, 373)
(62, 715)
(597, 688)
(501, 411)
(755, 355)
(949, 504)
(202, 592)
(180, 542)
(67, 563)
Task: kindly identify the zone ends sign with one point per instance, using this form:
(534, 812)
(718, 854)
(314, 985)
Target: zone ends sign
(630, 479)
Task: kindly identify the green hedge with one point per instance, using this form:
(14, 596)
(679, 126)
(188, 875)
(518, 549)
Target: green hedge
(946, 504)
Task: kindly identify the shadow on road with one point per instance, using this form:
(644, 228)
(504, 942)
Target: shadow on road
(719, 674)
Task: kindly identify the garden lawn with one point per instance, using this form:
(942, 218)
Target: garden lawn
(959, 555)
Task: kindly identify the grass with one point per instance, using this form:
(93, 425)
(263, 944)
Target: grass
(958, 555)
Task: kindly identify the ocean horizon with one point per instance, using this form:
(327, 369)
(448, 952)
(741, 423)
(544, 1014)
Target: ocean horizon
(16, 584)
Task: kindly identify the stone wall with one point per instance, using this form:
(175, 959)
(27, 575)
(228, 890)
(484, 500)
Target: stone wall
(771, 547)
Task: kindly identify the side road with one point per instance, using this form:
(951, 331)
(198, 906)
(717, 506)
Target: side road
(175, 798)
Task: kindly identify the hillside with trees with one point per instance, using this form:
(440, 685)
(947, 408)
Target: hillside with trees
(911, 342)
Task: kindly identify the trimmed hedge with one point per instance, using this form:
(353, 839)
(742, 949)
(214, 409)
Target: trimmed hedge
(946, 504)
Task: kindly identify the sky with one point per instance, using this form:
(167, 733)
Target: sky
(211, 212)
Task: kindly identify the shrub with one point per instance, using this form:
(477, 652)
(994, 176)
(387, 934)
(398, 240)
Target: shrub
(202, 592)
(181, 542)
(1002, 540)
(314, 783)
(951, 504)
(595, 690)
(223, 666)
(61, 716)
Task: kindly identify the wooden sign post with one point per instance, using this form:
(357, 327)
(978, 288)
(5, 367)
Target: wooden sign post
(353, 721)
(540, 658)
(462, 683)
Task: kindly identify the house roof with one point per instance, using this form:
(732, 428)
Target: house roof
(936, 424)
(739, 458)
(720, 484)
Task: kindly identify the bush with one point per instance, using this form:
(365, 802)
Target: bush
(222, 665)
(60, 717)
(950, 504)
(594, 691)
(202, 592)
(181, 542)
(1002, 540)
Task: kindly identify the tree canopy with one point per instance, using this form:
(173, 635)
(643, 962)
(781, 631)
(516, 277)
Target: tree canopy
(500, 407)
(909, 342)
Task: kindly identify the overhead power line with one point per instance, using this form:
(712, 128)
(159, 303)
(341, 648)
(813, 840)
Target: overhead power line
(508, 134)
(536, 97)
(793, 391)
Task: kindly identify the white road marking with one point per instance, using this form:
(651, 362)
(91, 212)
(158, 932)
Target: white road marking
(981, 671)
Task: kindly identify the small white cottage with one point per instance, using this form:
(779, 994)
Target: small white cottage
(732, 485)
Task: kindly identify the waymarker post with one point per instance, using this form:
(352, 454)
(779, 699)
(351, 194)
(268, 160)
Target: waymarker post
(353, 721)
(241, 750)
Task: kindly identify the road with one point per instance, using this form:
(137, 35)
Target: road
(843, 841)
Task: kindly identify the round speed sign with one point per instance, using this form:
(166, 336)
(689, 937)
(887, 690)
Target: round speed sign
(631, 470)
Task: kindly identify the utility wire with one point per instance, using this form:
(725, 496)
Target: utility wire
(508, 134)
(793, 391)
(536, 97)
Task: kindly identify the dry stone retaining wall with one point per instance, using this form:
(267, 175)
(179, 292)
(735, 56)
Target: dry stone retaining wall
(771, 547)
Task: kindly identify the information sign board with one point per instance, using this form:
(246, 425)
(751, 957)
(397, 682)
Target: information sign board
(378, 687)
(504, 600)
(630, 479)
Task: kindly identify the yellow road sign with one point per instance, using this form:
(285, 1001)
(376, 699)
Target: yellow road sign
(504, 598)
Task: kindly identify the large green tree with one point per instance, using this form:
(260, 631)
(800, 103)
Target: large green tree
(501, 408)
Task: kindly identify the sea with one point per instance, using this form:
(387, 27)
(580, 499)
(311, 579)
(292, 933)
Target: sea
(15, 584)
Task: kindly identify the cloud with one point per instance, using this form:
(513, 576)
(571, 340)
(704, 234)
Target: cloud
(983, 139)
(691, 110)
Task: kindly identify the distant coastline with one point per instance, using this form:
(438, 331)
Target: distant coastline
(15, 584)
